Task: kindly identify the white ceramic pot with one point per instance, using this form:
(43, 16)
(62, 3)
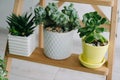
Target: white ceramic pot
(58, 45)
(21, 45)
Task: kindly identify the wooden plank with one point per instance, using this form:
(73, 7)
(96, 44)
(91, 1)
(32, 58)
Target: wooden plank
(18, 7)
(60, 3)
(81, 23)
(70, 63)
(41, 27)
(16, 10)
(95, 2)
(42, 2)
(112, 39)
(107, 26)
(8, 67)
(41, 45)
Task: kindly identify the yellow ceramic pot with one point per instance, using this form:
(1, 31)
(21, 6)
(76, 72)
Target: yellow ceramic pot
(93, 54)
(90, 65)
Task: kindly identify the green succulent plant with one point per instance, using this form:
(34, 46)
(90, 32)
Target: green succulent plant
(21, 25)
(53, 19)
(91, 32)
(3, 71)
(73, 17)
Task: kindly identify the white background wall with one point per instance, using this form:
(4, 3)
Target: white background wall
(6, 7)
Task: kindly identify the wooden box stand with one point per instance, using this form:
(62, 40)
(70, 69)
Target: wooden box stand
(73, 61)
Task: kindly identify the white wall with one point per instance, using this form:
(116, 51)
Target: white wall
(5, 9)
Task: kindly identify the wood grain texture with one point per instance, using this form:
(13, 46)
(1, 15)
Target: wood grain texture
(70, 63)
(41, 37)
(18, 7)
(95, 2)
(60, 3)
(41, 27)
(112, 39)
(8, 67)
(42, 2)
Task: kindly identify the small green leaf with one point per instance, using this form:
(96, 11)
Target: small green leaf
(103, 20)
(89, 39)
(100, 30)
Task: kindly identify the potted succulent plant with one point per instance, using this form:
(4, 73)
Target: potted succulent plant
(21, 34)
(3, 72)
(58, 29)
(94, 43)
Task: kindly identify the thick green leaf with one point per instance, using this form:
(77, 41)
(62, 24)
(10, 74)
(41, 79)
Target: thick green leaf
(67, 18)
(92, 29)
(20, 24)
(89, 39)
(100, 30)
(103, 20)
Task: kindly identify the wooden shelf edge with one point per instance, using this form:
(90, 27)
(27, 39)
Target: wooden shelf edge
(70, 63)
(94, 2)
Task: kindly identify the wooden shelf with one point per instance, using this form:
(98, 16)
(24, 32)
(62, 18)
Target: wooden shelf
(73, 61)
(94, 2)
(70, 63)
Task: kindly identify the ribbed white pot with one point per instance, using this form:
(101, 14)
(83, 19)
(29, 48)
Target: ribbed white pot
(58, 45)
(21, 45)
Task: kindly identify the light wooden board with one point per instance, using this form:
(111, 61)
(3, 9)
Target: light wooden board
(70, 63)
(96, 2)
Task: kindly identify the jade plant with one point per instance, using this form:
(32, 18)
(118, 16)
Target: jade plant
(3, 71)
(21, 25)
(57, 20)
(92, 29)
